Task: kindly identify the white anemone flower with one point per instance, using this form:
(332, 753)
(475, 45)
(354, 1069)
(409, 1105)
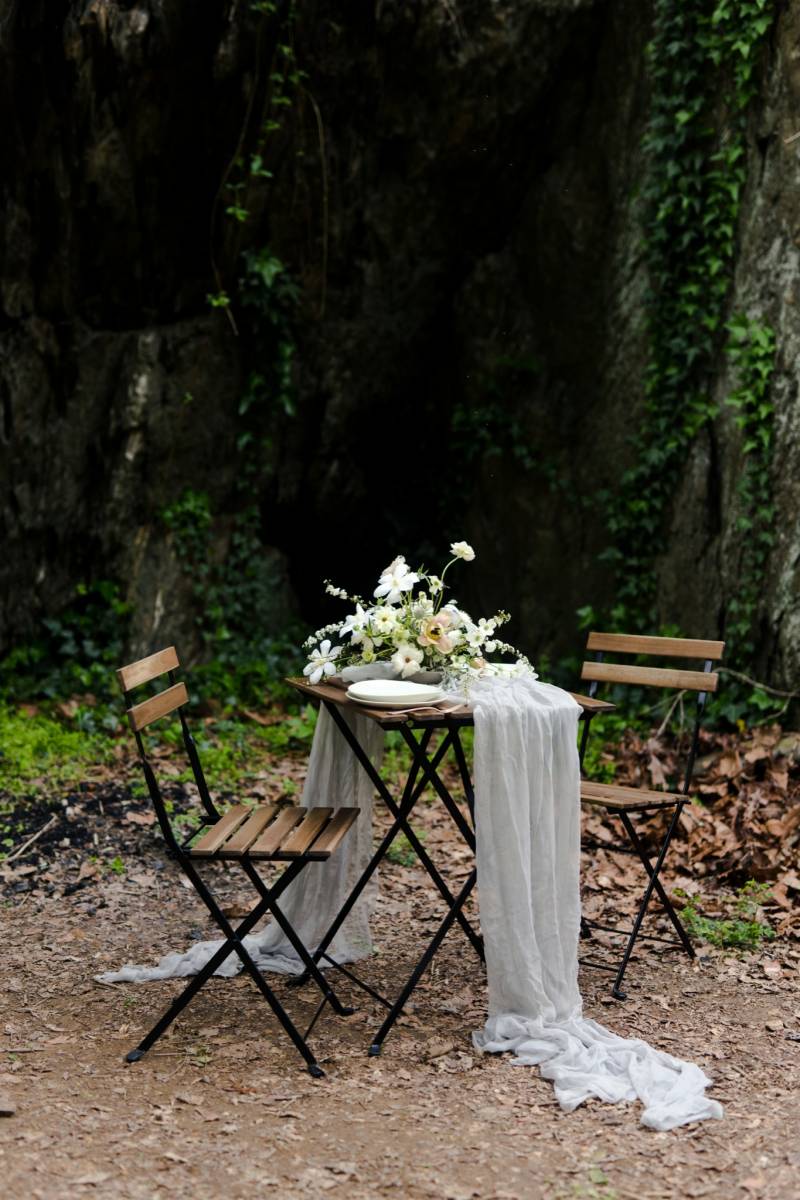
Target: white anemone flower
(384, 620)
(462, 550)
(474, 638)
(322, 661)
(407, 660)
(355, 624)
(395, 580)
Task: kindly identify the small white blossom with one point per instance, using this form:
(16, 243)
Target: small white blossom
(395, 580)
(435, 584)
(355, 624)
(462, 550)
(384, 620)
(332, 590)
(321, 633)
(322, 661)
(422, 607)
(407, 660)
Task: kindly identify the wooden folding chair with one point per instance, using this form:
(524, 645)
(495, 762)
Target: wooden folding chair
(244, 835)
(624, 802)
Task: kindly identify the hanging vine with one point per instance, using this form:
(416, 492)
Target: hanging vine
(259, 297)
(695, 145)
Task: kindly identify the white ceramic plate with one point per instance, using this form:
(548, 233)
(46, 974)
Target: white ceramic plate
(393, 693)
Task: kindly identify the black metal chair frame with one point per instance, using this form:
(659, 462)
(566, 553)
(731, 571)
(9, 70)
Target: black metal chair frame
(637, 848)
(233, 937)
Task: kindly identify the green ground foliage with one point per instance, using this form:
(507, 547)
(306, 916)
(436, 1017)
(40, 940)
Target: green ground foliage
(38, 752)
(743, 927)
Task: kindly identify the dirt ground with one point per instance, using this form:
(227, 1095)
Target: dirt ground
(222, 1107)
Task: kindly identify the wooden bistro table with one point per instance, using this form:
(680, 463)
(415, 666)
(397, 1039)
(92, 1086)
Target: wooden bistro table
(416, 726)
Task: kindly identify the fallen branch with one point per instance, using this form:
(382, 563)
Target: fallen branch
(676, 701)
(25, 845)
(755, 682)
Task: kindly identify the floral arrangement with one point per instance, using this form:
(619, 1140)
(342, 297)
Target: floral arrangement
(410, 626)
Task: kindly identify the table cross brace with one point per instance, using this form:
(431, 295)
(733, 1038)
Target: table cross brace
(401, 813)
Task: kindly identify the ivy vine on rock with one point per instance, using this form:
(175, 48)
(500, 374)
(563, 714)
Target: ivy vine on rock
(258, 296)
(696, 173)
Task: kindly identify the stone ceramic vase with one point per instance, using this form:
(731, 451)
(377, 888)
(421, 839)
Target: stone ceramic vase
(384, 670)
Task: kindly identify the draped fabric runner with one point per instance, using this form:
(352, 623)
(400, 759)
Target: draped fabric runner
(527, 810)
(527, 824)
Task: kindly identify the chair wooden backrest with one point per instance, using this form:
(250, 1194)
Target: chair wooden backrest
(171, 699)
(599, 671)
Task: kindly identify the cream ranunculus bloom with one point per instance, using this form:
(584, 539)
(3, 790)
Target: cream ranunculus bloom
(462, 550)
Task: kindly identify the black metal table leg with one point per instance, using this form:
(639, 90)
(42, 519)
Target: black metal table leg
(402, 819)
(419, 970)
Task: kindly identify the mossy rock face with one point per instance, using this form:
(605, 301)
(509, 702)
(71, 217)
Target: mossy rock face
(469, 345)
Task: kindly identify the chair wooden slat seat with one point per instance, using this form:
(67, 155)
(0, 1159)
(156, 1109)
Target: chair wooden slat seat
(304, 834)
(270, 833)
(253, 827)
(269, 843)
(328, 841)
(606, 795)
(214, 838)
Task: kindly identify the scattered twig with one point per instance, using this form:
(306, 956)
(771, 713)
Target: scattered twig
(25, 845)
(788, 141)
(678, 699)
(324, 170)
(771, 691)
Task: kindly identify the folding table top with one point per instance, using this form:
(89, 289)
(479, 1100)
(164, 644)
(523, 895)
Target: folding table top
(389, 718)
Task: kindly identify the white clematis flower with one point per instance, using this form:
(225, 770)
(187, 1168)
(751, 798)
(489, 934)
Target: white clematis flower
(322, 661)
(462, 550)
(395, 580)
(355, 624)
(407, 660)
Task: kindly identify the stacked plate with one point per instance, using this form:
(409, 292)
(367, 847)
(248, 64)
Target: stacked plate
(393, 693)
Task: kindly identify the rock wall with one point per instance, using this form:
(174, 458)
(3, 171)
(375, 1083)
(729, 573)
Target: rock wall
(455, 194)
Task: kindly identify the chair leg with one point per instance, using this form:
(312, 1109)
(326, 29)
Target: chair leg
(667, 904)
(653, 884)
(280, 1012)
(195, 984)
(310, 968)
(233, 945)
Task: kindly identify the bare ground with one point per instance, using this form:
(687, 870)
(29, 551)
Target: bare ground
(221, 1107)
